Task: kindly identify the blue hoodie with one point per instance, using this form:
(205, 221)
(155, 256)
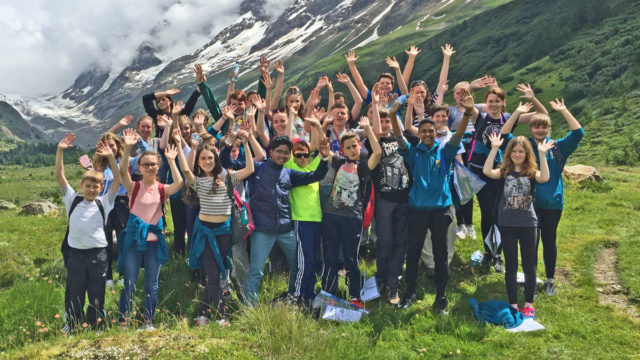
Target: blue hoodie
(430, 170)
(550, 195)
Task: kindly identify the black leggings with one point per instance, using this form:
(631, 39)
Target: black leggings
(487, 200)
(510, 236)
(464, 213)
(212, 297)
(548, 220)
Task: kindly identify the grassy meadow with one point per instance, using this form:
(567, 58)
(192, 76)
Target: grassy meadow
(596, 216)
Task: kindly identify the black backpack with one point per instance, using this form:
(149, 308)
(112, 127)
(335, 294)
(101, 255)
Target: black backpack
(65, 243)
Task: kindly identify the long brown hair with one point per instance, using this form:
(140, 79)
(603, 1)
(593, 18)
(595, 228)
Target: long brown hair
(116, 139)
(217, 167)
(294, 91)
(529, 166)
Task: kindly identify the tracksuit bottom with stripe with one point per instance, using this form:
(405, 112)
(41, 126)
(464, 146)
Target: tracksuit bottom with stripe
(341, 232)
(308, 233)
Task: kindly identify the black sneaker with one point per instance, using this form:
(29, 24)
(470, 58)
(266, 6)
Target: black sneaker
(392, 297)
(440, 305)
(431, 273)
(497, 264)
(408, 300)
(486, 259)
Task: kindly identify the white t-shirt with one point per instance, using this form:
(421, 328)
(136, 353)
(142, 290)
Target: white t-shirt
(86, 230)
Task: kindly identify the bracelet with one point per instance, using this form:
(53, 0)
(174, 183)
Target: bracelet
(468, 113)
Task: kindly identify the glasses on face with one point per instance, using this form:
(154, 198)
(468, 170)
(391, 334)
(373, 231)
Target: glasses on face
(301, 155)
(149, 165)
(282, 152)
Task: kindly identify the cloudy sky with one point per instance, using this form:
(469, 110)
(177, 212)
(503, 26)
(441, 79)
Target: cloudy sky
(49, 43)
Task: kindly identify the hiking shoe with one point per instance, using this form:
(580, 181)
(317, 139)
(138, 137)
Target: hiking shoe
(497, 264)
(202, 320)
(461, 232)
(431, 272)
(279, 298)
(486, 259)
(392, 297)
(549, 288)
(440, 305)
(471, 231)
(529, 312)
(408, 300)
(291, 300)
(146, 327)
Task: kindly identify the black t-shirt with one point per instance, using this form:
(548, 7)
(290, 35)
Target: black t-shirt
(391, 179)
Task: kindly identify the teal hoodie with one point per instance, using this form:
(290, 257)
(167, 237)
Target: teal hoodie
(430, 169)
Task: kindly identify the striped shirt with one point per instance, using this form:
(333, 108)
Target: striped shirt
(210, 203)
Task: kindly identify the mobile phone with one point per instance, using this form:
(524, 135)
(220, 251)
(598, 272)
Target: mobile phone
(85, 162)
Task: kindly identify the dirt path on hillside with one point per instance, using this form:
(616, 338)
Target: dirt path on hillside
(609, 288)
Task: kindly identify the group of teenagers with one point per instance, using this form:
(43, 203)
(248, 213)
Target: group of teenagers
(315, 182)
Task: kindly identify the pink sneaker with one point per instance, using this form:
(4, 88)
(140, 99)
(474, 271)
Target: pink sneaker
(529, 311)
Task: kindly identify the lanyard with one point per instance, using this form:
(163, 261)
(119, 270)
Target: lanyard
(338, 139)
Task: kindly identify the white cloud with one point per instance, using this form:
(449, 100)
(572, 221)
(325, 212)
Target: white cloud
(49, 43)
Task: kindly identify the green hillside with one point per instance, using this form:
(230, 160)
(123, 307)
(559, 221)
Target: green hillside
(584, 53)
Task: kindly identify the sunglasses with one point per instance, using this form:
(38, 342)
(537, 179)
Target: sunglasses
(417, 83)
(293, 91)
(301, 155)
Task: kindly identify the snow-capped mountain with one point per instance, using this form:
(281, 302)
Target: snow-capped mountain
(98, 98)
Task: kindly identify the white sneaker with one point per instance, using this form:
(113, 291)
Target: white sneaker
(461, 232)
(202, 321)
(471, 231)
(146, 327)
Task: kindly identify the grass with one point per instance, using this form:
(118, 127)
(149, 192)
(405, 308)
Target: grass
(32, 292)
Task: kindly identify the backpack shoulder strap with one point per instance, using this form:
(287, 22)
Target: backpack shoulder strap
(134, 194)
(101, 208)
(162, 193)
(77, 200)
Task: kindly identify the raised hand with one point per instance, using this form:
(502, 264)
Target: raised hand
(447, 50)
(280, 67)
(243, 135)
(558, 105)
(496, 140)
(392, 62)
(177, 108)
(467, 99)
(317, 114)
(67, 141)
(172, 91)
(490, 81)
(251, 111)
(328, 119)
(266, 80)
(545, 146)
(125, 121)
(391, 97)
(264, 65)
(322, 82)
(413, 51)
(199, 119)
(524, 108)
(232, 74)
(228, 111)
(343, 78)
(170, 152)
(199, 74)
(176, 135)
(527, 91)
(164, 121)
(478, 83)
(351, 57)
(364, 123)
(130, 137)
(323, 147)
(375, 94)
(103, 149)
(193, 143)
(260, 103)
(329, 85)
(314, 97)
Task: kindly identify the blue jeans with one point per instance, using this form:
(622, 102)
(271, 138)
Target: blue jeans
(261, 244)
(132, 266)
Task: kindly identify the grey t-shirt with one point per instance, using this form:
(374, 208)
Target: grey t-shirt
(455, 115)
(515, 207)
(336, 147)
